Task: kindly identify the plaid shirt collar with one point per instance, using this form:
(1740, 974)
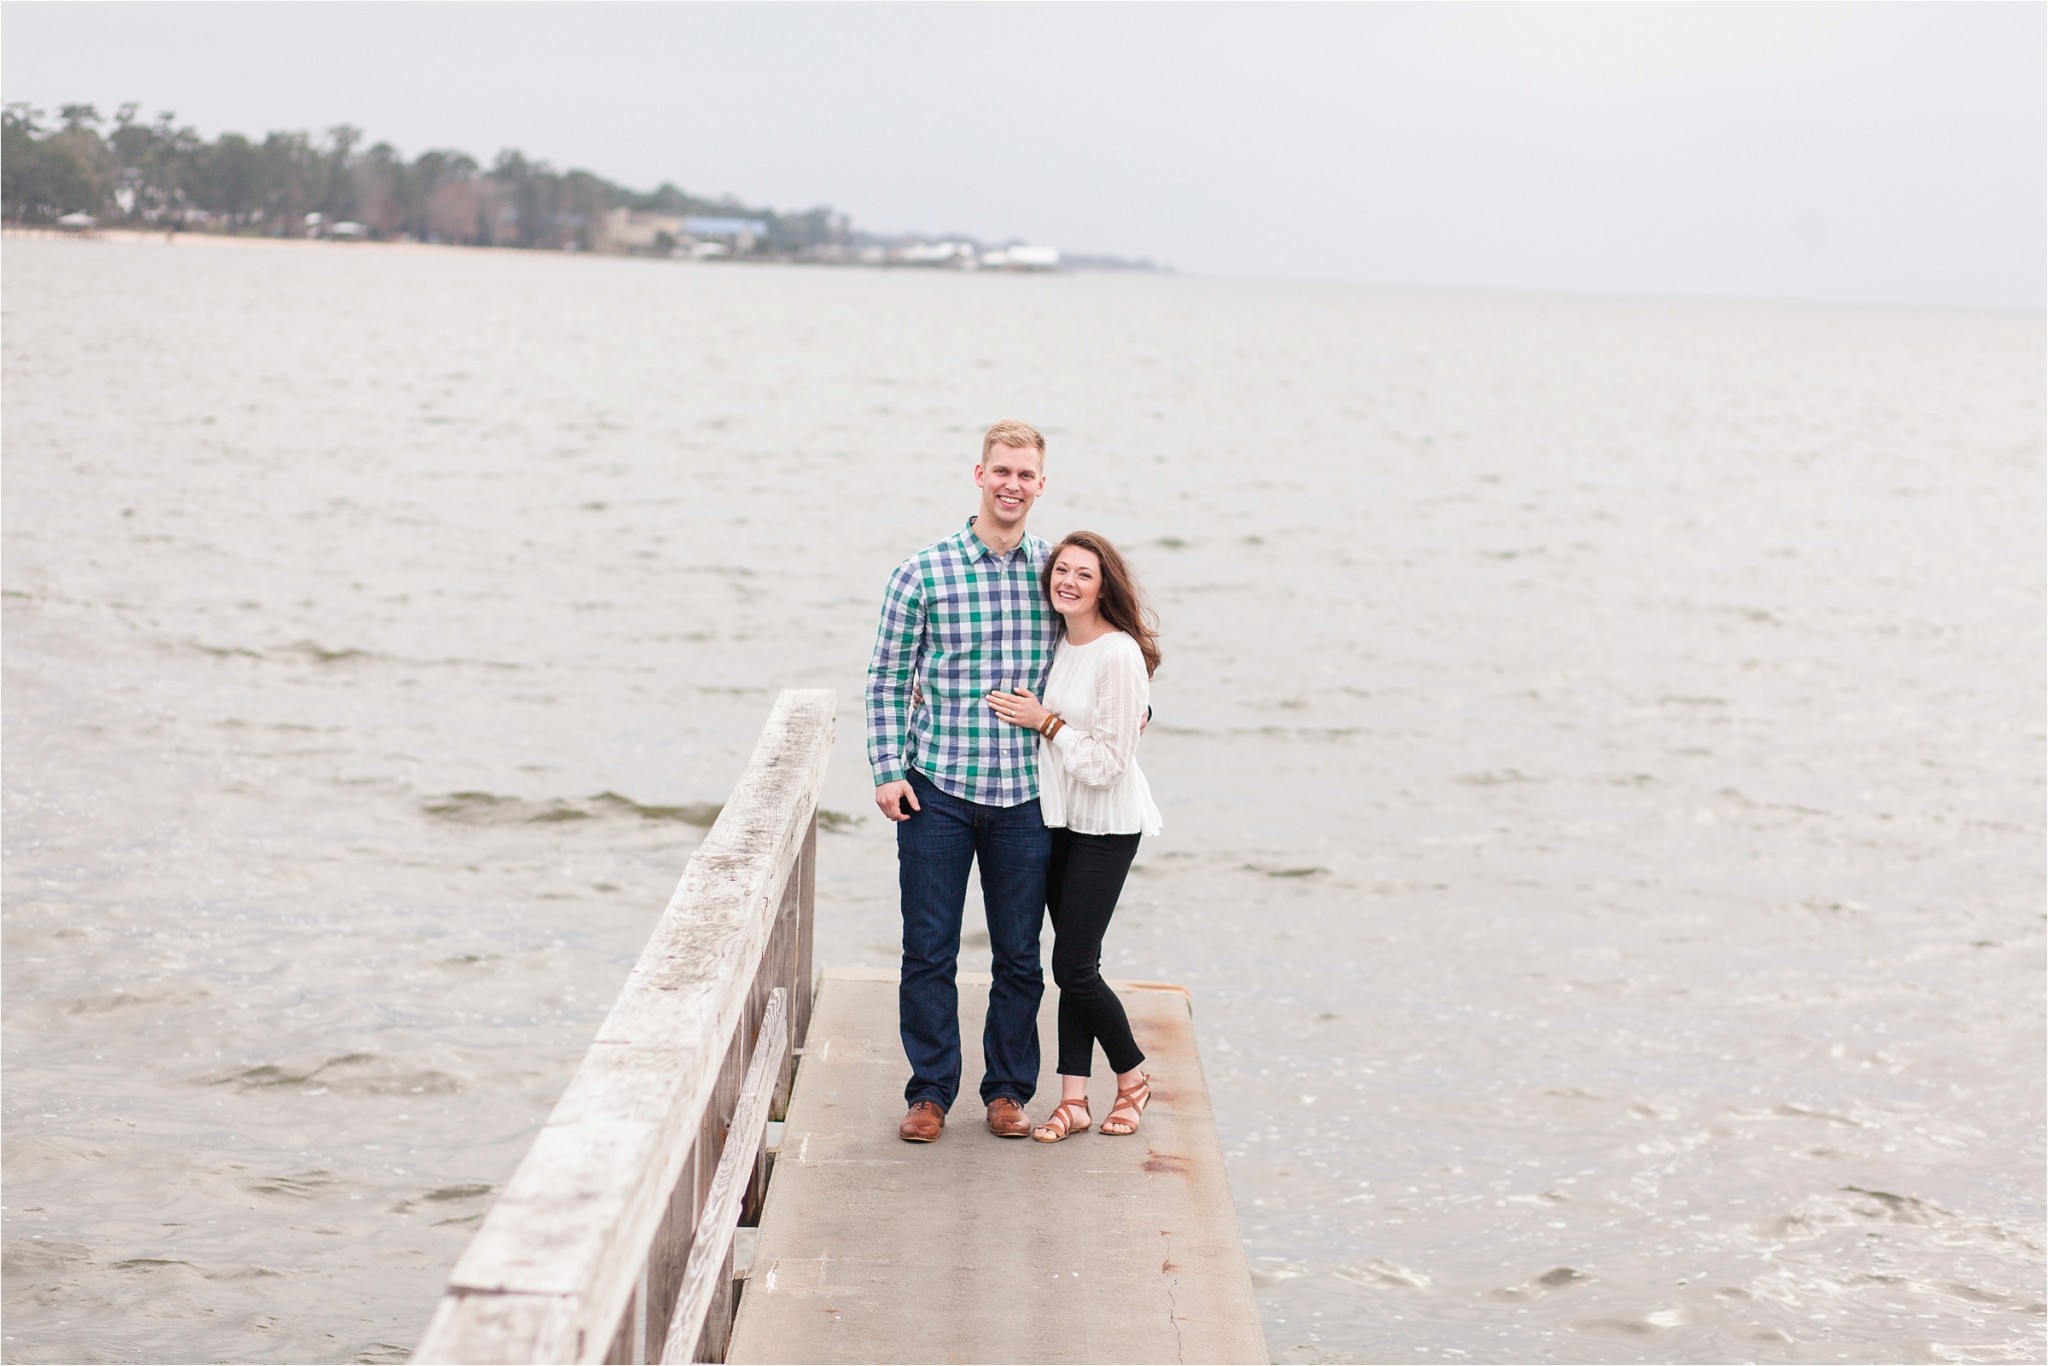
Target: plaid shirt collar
(973, 548)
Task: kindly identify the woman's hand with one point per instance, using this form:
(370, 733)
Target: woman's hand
(1019, 708)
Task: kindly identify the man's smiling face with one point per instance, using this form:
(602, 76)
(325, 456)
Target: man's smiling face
(1010, 479)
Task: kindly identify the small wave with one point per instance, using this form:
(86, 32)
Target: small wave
(312, 651)
(1555, 1279)
(297, 1185)
(298, 649)
(320, 654)
(1274, 1271)
(351, 1073)
(469, 1191)
(1379, 1271)
(1270, 871)
(1299, 732)
(241, 1273)
(489, 808)
(445, 1195)
(1646, 1326)
(1791, 1111)
(43, 1257)
(701, 814)
(105, 1003)
(1501, 777)
(1886, 1207)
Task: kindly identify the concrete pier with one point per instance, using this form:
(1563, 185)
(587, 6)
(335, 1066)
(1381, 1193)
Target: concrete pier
(981, 1249)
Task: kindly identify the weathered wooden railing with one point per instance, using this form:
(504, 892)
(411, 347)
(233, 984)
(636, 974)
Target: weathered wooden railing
(613, 1240)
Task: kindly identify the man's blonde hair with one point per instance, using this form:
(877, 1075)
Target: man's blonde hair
(1010, 432)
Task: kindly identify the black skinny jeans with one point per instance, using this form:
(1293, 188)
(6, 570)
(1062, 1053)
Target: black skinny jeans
(1082, 882)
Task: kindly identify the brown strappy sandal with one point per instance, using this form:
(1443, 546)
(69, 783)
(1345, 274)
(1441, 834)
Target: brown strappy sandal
(1131, 1098)
(1060, 1122)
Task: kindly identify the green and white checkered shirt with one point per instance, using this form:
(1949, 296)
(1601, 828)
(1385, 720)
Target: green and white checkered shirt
(960, 621)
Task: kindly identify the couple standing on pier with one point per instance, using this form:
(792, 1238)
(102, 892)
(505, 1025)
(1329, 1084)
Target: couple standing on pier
(1009, 685)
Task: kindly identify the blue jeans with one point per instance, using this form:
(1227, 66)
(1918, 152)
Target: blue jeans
(933, 851)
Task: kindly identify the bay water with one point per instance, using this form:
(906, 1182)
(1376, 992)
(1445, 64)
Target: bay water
(1601, 746)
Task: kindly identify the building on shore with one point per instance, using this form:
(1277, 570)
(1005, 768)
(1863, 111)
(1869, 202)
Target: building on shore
(966, 256)
(704, 237)
(1021, 258)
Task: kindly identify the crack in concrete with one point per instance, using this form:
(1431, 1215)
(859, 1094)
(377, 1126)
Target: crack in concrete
(1167, 1268)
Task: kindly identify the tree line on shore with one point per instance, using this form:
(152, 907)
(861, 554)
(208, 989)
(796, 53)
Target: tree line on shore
(160, 175)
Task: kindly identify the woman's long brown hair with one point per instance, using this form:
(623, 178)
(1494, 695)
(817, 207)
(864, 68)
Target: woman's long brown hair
(1121, 603)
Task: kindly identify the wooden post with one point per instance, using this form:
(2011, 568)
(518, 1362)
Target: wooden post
(632, 1189)
(708, 1277)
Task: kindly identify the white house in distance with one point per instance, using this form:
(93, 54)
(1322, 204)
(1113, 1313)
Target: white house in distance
(1021, 258)
(961, 256)
(941, 254)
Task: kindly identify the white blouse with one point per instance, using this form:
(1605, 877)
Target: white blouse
(1088, 778)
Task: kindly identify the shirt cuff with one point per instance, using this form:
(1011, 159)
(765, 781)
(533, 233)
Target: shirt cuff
(890, 773)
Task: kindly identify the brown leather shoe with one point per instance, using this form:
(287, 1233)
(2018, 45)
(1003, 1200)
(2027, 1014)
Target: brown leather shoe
(923, 1123)
(1006, 1119)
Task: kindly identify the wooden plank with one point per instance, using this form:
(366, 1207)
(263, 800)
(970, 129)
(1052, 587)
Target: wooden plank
(561, 1236)
(469, 1329)
(577, 1218)
(711, 1243)
(976, 1248)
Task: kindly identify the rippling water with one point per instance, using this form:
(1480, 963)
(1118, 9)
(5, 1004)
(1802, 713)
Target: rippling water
(1601, 745)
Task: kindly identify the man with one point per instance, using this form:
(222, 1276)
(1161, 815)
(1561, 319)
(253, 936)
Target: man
(960, 619)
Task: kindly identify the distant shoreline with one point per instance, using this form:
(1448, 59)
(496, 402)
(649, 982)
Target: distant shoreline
(139, 237)
(237, 241)
(126, 236)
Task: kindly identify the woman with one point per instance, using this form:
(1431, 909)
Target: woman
(1098, 805)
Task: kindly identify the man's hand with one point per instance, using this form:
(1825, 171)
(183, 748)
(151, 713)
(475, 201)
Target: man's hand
(892, 797)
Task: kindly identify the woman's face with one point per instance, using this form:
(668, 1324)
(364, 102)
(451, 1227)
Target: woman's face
(1076, 582)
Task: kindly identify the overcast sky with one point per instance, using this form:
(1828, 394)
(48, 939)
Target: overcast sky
(1861, 153)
